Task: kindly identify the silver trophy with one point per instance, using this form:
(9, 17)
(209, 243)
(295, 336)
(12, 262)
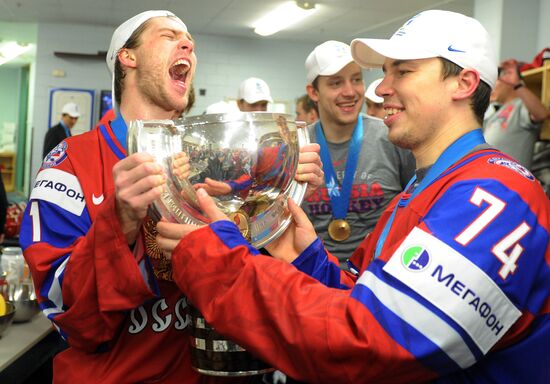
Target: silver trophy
(247, 161)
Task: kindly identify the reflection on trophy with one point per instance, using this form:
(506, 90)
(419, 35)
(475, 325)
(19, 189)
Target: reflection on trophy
(247, 162)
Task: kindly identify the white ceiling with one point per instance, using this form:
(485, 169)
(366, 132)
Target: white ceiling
(337, 19)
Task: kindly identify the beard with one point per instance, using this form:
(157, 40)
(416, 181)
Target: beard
(152, 86)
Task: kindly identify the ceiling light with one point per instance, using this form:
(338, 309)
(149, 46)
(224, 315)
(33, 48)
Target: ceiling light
(9, 50)
(285, 15)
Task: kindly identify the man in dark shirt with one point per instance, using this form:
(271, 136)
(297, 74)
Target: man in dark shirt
(59, 132)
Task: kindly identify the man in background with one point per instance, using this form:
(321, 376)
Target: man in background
(254, 95)
(59, 132)
(515, 126)
(374, 102)
(306, 110)
(363, 170)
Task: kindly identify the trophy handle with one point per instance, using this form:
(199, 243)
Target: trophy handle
(303, 139)
(296, 190)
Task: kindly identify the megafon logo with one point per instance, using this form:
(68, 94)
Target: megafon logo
(415, 258)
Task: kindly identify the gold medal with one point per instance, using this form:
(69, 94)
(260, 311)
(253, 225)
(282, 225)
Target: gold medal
(240, 219)
(339, 230)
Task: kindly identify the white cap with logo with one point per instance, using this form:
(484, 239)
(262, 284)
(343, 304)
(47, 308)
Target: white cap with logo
(327, 59)
(71, 109)
(123, 33)
(370, 93)
(221, 107)
(253, 90)
(434, 33)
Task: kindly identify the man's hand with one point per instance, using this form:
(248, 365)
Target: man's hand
(298, 236)
(214, 187)
(170, 234)
(310, 168)
(138, 182)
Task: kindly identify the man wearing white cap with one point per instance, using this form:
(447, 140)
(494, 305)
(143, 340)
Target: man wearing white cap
(453, 284)
(101, 277)
(373, 101)
(254, 95)
(59, 132)
(363, 170)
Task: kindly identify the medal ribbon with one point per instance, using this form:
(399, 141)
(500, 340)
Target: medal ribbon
(339, 197)
(451, 155)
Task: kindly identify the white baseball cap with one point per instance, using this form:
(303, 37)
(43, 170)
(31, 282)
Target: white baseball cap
(253, 90)
(327, 59)
(221, 107)
(71, 109)
(453, 36)
(370, 92)
(123, 33)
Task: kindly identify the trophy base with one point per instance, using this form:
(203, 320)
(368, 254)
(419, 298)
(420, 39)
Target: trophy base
(214, 355)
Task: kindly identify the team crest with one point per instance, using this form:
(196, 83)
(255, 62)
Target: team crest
(56, 155)
(511, 164)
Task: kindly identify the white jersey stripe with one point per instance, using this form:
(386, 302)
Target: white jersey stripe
(455, 285)
(420, 318)
(55, 294)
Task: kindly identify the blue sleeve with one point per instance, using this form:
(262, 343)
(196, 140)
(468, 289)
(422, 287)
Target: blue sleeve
(314, 261)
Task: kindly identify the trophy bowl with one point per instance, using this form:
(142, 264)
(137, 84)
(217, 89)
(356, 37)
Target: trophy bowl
(245, 161)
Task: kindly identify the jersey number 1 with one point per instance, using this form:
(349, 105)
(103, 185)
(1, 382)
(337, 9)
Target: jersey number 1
(34, 212)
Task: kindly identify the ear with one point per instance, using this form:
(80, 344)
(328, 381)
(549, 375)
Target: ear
(312, 93)
(127, 57)
(313, 115)
(466, 84)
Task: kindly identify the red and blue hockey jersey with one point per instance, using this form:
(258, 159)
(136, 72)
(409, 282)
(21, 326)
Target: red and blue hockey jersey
(459, 293)
(122, 324)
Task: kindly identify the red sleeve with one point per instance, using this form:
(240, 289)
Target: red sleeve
(309, 331)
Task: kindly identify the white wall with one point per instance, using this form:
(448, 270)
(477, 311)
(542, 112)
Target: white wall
(223, 62)
(489, 13)
(543, 40)
(79, 73)
(520, 29)
(520, 21)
